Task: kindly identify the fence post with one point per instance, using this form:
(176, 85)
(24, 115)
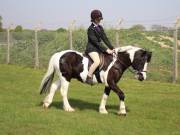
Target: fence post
(36, 46)
(175, 52)
(36, 50)
(8, 45)
(71, 27)
(117, 32)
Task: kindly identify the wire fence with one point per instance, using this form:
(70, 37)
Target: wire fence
(23, 51)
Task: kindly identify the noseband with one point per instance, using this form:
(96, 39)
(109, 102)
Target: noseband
(134, 71)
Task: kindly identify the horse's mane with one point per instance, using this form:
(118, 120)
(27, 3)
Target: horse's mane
(125, 48)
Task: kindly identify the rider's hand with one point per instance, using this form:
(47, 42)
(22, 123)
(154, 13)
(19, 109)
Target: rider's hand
(114, 51)
(109, 51)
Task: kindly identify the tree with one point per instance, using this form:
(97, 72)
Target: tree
(138, 27)
(1, 29)
(18, 28)
(61, 30)
(159, 28)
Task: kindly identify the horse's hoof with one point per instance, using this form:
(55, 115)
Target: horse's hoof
(69, 109)
(121, 114)
(45, 105)
(103, 111)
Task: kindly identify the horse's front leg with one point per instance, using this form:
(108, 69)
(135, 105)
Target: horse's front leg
(118, 91)
(64, 91)
(102, 107)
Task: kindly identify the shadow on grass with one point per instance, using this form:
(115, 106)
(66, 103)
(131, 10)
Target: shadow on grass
(84, 105)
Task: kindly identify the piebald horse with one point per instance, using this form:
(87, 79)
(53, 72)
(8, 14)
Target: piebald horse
(70, 64)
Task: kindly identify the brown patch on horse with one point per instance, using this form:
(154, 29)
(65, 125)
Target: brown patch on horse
(71, 65)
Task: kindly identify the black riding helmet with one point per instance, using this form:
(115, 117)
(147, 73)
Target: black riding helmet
(96, 14)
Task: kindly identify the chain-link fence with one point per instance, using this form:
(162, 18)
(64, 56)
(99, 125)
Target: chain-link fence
(22, 47)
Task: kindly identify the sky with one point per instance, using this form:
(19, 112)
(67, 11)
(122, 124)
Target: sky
(53, 14)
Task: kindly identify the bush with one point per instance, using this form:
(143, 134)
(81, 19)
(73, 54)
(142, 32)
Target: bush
(18, 28)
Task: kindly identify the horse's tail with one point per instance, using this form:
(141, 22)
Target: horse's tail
(48, 78)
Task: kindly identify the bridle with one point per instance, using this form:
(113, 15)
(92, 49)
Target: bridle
(134, 71)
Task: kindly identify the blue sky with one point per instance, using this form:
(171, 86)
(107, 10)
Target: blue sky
(58, 13)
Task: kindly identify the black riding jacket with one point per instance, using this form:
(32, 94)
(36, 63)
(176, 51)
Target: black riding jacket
(95, 35)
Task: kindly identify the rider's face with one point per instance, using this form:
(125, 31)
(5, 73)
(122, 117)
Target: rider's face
(98, 20)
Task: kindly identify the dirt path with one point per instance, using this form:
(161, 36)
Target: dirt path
(151, 38)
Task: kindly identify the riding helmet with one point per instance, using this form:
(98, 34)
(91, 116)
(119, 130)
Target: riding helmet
(96, 14)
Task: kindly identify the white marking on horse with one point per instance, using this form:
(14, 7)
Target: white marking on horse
(122, 108)
(107, 71)
(144, 69)
(102, 108)
(64, 91)
(129, 49)
(84, 73)
(132, 52)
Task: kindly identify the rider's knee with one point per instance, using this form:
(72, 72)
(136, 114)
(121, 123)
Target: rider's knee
(97, 62)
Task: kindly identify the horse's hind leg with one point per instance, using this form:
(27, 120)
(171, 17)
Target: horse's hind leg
(64, 91)
(48, 99)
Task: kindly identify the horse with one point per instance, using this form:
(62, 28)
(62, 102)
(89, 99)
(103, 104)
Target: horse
(69, 64)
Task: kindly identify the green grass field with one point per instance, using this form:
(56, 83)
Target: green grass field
(154, 107)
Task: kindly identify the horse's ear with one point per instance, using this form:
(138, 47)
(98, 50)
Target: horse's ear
(144, 52)
(149, 55)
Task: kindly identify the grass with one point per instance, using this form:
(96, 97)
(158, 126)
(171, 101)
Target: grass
(153, 107)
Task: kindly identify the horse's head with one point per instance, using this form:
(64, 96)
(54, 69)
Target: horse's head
(139, 60)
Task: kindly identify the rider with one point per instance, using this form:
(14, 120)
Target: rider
(94, 46)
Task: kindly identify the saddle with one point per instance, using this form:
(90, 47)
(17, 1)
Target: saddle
(101, 57)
